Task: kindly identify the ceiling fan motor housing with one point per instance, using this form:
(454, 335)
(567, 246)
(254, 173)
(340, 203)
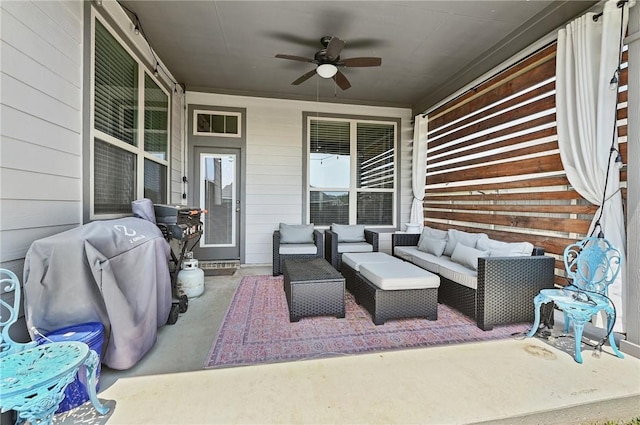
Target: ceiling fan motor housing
(321, 57)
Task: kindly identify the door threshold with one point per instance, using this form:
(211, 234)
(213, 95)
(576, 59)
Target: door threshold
(219, 267)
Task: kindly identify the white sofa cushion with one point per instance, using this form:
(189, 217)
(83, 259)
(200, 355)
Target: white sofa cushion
(425, 260)
(355, 259)
(505, 249)
(404, 252)
(467, 256)
(349, 233)
(456, 236)
(297, 248)
(400, 275)
(460, 274)
(429, 232)
(354, 247)
(296, 233)
(432, 245)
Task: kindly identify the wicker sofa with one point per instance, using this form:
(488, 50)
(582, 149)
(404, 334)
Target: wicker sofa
(500, 292)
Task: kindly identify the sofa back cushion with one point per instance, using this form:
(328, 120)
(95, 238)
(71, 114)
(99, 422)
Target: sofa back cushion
(432, 245)
(467, 256)
(349, 233)
(296, 233)
(428, 232)
(457, 236)
(505, 249)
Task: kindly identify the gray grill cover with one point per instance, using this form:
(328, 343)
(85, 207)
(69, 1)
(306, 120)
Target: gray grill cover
(115, 272)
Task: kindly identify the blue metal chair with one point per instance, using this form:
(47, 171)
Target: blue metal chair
(34, 377)
(591, 265)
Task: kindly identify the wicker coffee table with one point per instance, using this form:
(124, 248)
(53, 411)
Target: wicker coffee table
(313, 288)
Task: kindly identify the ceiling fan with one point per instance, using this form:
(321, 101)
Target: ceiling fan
(328, 61)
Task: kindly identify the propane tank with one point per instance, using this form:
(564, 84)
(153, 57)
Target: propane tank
(190, 278)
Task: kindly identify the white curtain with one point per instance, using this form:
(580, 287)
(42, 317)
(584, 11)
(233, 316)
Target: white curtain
(586, 61)
(419, 170)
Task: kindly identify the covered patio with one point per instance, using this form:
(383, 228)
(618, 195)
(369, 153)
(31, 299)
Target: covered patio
(441, 114)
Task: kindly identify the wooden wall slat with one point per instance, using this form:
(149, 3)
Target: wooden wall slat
(528, 196)
(541, 164)
(541, 148)
(545, 120)
(544, 104)
(547, 209)
(523, 82)
(513, 184)
(519, 221)
(536, 135)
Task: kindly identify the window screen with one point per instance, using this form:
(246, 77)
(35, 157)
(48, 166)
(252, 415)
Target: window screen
(155, 182)
(156, 119)
(114, 181)
(116, 88)
(345, 191)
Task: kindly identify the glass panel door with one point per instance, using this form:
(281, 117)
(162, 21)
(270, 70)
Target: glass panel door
(218, 195)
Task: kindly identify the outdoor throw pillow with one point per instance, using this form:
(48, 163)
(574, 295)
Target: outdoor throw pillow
(467, 256)
(432, 246)
(428, 232)
(457, 236)
(349, 233)
(505, 249)
(296, 233)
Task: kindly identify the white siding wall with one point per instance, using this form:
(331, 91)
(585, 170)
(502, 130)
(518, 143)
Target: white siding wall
(41, 123)
(274, 162)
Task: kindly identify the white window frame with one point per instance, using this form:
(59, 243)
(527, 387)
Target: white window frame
(353, 190)
(137, 150)
(223, 113)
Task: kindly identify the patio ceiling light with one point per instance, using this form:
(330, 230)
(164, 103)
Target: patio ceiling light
(326, 70)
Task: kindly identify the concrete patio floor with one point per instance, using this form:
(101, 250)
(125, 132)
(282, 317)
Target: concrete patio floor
(515, 381)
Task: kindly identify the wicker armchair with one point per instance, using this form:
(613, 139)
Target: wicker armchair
(282, 252)
(333, 250)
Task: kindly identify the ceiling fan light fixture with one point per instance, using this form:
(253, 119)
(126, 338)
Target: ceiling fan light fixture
(326, 70)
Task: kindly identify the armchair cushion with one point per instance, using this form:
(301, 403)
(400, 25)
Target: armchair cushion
(505, 249)
(297, 249)
(349, 233)
(355, 247)
(296, 233)
(467, 256)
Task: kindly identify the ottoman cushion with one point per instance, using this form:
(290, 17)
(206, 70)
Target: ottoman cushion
(355, 259)
(398, 275)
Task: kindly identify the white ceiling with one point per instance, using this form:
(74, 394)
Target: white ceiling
(428, 48)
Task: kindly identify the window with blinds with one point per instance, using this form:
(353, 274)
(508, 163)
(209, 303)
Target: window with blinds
(130, 147)
(493, 163)
(351, 172)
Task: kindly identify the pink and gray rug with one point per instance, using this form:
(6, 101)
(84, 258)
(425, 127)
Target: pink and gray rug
(256, 329)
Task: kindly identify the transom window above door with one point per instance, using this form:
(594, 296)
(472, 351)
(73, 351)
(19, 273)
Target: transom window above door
(222, 124)
(351, 171)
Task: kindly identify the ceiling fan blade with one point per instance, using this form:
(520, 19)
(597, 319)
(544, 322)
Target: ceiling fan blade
(304, 78)
(356, 62)
(341, 80)
(295, 58)
(334, 48)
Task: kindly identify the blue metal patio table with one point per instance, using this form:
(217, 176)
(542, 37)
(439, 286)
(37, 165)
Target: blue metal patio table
(33, 381)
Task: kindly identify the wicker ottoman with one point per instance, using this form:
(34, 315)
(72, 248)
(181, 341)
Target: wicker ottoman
(313, 288)
(393, 289)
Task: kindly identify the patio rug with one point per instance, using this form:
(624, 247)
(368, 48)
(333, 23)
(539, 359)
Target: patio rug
(256, 329)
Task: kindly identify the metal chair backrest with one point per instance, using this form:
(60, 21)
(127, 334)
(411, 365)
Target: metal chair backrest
(9, 314)
(592, 264)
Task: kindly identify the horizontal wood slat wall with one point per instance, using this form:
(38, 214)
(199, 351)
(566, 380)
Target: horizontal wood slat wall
(493, 163)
